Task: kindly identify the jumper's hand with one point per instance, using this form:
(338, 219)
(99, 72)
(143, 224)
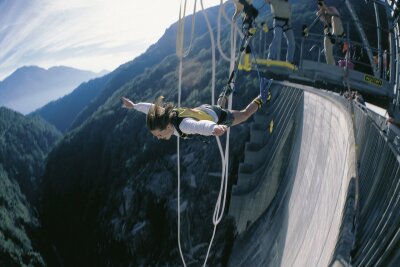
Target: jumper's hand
(219, 130)
(126, 103)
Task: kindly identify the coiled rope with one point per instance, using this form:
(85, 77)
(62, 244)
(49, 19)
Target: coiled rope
(181, 54)
(221, 200)
(181, 31)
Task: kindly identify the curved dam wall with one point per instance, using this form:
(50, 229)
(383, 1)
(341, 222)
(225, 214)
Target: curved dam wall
(377, 224)
(290, 208)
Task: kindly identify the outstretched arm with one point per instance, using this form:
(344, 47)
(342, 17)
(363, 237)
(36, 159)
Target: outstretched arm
(129, 104)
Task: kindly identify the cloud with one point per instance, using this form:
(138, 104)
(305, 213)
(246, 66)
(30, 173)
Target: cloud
(90, 34)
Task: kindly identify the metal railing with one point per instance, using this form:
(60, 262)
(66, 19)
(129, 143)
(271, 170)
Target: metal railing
(376, 59)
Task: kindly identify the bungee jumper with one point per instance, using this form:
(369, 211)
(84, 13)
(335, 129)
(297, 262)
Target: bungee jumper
(164, 119)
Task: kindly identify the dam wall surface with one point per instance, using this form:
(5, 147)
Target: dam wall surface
(291, 210)
(377, 224)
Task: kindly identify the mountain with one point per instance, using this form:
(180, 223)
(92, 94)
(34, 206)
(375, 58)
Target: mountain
(116, 183)
(109, 188)
(17, 220)
(72, 110)
(31, 87)
(24, 145)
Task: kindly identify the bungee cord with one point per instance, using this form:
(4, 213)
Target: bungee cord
(181, 31)
(181, 54)
(234, 61)
(221, 200)
(222, 12)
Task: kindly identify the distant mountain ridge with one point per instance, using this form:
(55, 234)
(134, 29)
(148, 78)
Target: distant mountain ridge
(24, 144)
(96, 167)
(31, 87)
(116, 183)
(72, 110)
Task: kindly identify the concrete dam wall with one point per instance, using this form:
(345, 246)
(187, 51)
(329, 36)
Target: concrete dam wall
(290, 197)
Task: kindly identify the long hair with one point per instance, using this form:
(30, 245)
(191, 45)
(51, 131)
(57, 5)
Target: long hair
(160, 115)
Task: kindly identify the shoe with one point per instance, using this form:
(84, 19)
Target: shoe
(265, 85)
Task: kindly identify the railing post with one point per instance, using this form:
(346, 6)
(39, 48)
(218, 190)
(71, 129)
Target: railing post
(301, 53)
(378, 31)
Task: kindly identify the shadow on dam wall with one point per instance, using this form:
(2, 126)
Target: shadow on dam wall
(289, 209)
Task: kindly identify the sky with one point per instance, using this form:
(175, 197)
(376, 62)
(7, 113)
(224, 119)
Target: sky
(92, 35)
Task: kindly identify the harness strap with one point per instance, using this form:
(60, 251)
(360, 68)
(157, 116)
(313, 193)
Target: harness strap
(283, 19)
(222, 116)
(176, 121)
(285, 26)
(283, 29)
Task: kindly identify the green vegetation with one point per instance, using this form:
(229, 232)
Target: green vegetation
(16, 219)
(24, 144)
(109, 190)
(111, 186)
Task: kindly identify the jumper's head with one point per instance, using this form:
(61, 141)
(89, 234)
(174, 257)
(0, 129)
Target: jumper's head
(164, 134)
(159, 119)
